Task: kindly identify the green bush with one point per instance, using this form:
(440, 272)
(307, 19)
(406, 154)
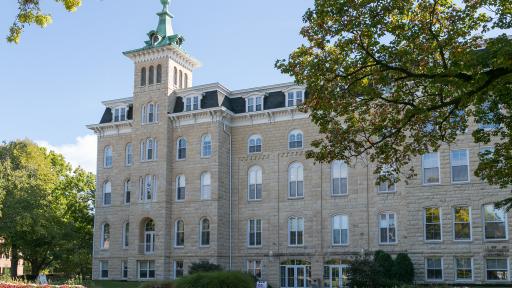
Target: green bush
(383, 269)
(203, 267)
(361, 273)
(216, 280)
(403, 269)
(158, 284)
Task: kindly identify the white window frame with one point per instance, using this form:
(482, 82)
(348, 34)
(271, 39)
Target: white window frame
(126, 234)
(107, 189)
(293, 95)
(148, 195)
(343, 218)
(119, 114)
(395, 221)
(385, 169)
(295, 133)
(124, 267)
(253, 266)
(497, 258)
(175, 266)
(423, 169)
(195, 103)
(255, 178)
(425, 225)
(147, 268)
(108, 157)
(253, 102)
(254, 233)
(457, 222)
(295, 177)
(105, 243)
(127, 192)
(206, 186)
(149, 247)
(179, 147)
(505, 223)
(426, 269)
(457, 268)
(300, 223)
(151, 144)
(452, 162)
(343, 174)
(128, 161)
(102, 264)
(206, 145)
(181, 180)
(255, 138)
(176, 231)
(202, 230)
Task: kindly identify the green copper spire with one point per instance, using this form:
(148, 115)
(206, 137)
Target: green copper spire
(165, 20)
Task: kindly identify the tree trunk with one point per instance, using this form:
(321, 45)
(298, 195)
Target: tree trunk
(35, 268)
(14, 261)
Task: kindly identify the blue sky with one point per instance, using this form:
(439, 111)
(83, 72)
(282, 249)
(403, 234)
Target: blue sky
(54, 80)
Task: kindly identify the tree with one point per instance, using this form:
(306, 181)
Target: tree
(46, 214)
(29, 12)
(403, 269)
(391, 80)
(201, 267)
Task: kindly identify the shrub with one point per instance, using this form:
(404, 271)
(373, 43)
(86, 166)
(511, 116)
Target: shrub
(217, 280)
(203, 267)
(403, 269)
(383, 269)
(158, 284)
(361, 273)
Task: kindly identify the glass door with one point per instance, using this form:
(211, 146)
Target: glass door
(335, 276)
(295, 276)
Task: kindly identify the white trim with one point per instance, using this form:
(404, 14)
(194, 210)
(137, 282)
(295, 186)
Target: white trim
(176, 233)
(467, 164)
(255, 169)
(387, 213)
(178, 149)
(425, 224)
(202, 145)
(438, 170)
(426, 269)
(254, 137)
(505, 223)
(332, 231)
(177, 187)
(470, 224)
(296, 132)
(340, 162)
(472, 270)
(201, 232)
(301, 166)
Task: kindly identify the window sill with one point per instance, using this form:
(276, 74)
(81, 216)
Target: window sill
(295, 149)
(433, 241)
(296, 198)
(177, 159)
(204, 247)
(296, 246)
(339, 245)
(386, 192)
(431, 184)
(179, 201)
(463, 241)
(255, 247)
(388, 244)
(179, 247)
(494, 240)
(339, 195)
(254, 153)
(206, 157)
(461, 182)
(254, 200)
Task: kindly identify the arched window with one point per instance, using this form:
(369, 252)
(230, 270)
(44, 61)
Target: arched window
(339, 230)
(295, 231)
(127, 192)
(186, 80)
(105, 236)
(143, 114)
(181, 79)
(149, 236)
(126, 234)
(255, 144)
(107, 157)
(151, 75)
(296, 180)
(151, 113)
(339, 178)
(128, 155)
(179, 233)
(143, 76)
(175, 76)
(182, 149)
(295, 139)
(255, 183)
(206, 190)
(151, 149)
(148, 187)
(107, 193)
(159, 74)
(206, 145)
(180, 188)
(204, 232)
(387, 228)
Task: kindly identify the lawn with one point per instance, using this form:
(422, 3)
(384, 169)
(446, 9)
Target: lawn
(112, 284)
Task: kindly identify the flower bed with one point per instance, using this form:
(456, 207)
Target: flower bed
(23, 285)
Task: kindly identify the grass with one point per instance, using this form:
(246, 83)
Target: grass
(112, 284)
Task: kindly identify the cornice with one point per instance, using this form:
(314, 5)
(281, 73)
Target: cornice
(113, 128)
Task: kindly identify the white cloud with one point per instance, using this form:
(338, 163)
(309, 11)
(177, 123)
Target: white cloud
(81, 153)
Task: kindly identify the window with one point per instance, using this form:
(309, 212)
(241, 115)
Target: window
(107, 157)
(192, 103)
(339, 178)
(255, 144)
(151, 149)
(103, 269)
(204, 232)
(152, 113)
(182, 149)
(206, 189)
(129, 154)
(295, 274)
(149, 237)
(462, 223)
(296, 231)
(179, 269)
(430, 164)
(460, 165)
(127, 193)
(186, 80)
(434, 267)
(180, 234)
(255, 103)
(159, 74)
(295, 139)
(387, 228)
(151, 75)
(143, 115)
(180, 188)
(340, 230)
(146, 269)
(496, 269)
(119, 114)
(254, 268)
(255, 183)
(126, 234)
(387, 186)
(124, 269)
(105, 236)
(175, 76)
(148, 187)
(181, 79)
(143, 76)
(433, 224)
(495, 223)
(254, 233)
(107, 193)
(295, 98)
(206, 145)
(464, 269)
(296, 180)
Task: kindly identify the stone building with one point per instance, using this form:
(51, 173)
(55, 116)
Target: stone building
(202, 173)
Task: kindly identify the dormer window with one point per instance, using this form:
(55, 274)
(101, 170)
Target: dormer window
(120, 114)
(154, 39)
(192, 103)
(295, 98)
(255, 103)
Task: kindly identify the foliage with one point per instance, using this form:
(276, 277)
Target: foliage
(361, 273)
(217, 280)
(403, 269)
(392, 80)
(383, 265)
(30, 12)
(203, 267)
(158, 284)
(46, 209)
